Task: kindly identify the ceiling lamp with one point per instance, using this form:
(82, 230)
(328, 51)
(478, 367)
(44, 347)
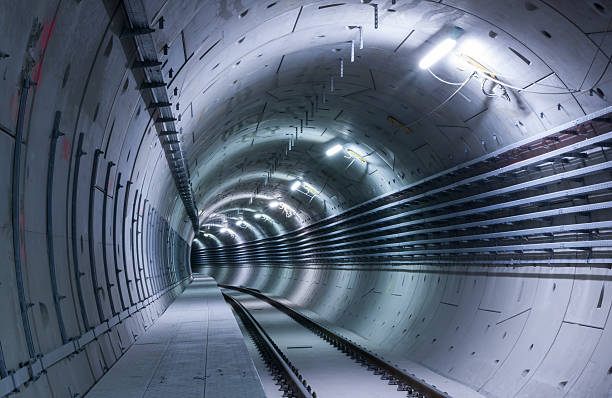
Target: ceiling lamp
(296, 185)
(437, 53)
(274, 204)
(333, 150)
(263, 217)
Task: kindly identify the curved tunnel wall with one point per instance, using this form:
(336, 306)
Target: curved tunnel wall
(453, 281)
(100, 251)
(250, 84)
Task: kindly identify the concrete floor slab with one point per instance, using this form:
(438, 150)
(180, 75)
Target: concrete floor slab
(195, 349)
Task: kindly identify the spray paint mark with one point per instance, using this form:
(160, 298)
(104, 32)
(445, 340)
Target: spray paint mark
(66, 150)
(46, 34)
(45, 37)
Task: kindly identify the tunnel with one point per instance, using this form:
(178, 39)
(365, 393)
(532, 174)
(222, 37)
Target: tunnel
(306, 198)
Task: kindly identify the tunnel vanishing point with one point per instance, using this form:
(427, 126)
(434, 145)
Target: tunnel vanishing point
(326, 198)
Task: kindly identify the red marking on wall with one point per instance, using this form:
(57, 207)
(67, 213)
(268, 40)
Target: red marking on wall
(37, 71)
(66, 150)
(45, 37)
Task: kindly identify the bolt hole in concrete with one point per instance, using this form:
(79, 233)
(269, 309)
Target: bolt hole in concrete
(66, 75)
(600, 8)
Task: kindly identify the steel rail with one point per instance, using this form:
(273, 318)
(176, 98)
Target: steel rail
(582, 145)
(391, 373)
(578, 173)
(489, 236)
(292, 383)
(503, 220)
(567, 193)
(485, 237)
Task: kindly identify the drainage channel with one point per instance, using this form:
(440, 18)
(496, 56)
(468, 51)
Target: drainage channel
(332, 365)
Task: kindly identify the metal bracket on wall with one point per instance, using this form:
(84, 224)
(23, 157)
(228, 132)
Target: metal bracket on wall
(75, 253)
(55, 134)
(109, 284)
(90, 225)
(114, 232)
(128, 184)
(16, 216)
(132, 248)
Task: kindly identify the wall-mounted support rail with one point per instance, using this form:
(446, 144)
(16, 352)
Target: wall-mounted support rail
(154, 92)
(55, 134)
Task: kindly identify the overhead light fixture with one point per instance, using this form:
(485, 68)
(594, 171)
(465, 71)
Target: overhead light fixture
(274, 204)
(295, 185)
(333, 150)
(310, 189)
(240, 223)
(224, 230)
(437, 53)
(263, 217)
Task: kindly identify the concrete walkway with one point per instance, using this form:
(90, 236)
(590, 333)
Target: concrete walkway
(195, 349)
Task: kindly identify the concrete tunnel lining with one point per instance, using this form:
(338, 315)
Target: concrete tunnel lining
(99, 241)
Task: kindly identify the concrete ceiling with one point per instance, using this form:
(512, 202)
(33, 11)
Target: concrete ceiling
(257, 72)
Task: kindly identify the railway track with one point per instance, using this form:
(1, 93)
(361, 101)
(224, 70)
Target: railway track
(298, 367)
